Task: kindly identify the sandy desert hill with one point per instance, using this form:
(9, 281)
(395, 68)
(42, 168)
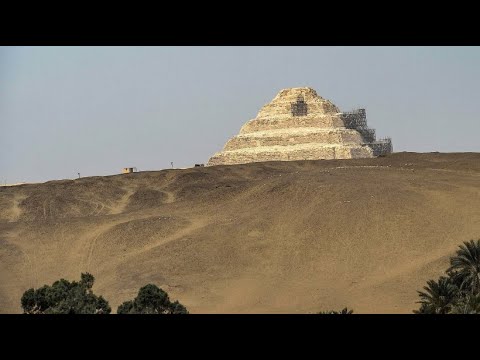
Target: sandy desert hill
(274, 237)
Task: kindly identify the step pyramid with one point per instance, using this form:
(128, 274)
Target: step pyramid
(298, 124)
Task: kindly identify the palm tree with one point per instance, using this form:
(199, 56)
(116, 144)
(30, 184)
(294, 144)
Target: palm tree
(438, 298)
(425, 309)
(469, 304)
(467, 265)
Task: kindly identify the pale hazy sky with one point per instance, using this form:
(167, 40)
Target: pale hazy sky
(95, 110)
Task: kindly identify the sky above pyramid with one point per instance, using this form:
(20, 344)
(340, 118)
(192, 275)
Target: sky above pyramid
(96, 110)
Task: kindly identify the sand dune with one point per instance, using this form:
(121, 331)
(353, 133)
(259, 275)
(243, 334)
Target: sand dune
(276, 237)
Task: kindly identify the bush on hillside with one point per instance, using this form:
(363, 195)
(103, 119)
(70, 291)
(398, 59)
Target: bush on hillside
(151, 300)
(64, 297)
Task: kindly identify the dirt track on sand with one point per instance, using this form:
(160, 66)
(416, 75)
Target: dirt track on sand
(277, 237)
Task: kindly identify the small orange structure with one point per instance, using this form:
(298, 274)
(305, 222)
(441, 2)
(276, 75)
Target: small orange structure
(128, 170)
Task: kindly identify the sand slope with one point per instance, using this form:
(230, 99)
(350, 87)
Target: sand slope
(277, 237)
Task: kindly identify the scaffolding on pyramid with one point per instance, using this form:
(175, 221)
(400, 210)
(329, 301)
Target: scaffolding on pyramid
(357, 120)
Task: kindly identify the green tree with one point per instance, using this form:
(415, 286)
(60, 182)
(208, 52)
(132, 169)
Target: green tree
(468, 304)
(459, 291)
(151, 300)
(64, 297)
(466, 264)
(178, 308)
(439, 296)
(425, 309)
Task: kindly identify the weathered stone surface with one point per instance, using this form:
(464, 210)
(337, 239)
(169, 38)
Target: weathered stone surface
(277, 135)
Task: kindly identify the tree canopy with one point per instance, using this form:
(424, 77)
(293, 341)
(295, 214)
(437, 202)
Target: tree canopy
(459, 291)
(64, 297)
(151, 300)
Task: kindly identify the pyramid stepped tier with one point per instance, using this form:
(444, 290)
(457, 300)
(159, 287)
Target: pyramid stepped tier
(314, 121)
(280, 107)
(296, 125)
(293, 152)
(293, 136)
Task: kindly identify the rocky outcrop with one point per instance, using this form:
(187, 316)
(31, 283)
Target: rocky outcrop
(297, 124)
